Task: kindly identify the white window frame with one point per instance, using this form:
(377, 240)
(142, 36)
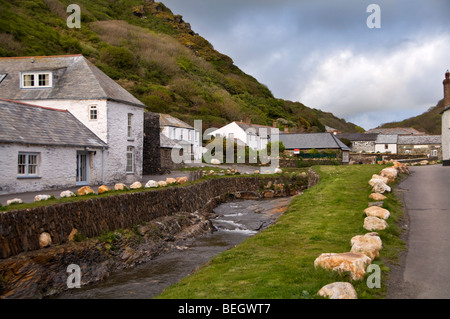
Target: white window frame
(130, 156)
(130, 126)
(93, 108)
(36, 80)
(27, 165)
(434, 153)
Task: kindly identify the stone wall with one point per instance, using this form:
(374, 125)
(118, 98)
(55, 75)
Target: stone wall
(151, 154)
(20, 229)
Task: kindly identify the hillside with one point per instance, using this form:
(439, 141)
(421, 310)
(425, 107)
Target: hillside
(428, 122)
(157, 57)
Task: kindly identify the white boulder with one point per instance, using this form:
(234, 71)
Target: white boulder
(338, 290)
(67, 194)
(151, 184)
(14, 201)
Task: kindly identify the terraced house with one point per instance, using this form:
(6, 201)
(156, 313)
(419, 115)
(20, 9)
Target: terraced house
(97, 139)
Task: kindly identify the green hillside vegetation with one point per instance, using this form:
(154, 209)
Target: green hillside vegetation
(429, 122)
(156, 56)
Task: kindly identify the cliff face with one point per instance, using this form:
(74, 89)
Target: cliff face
(156, 56)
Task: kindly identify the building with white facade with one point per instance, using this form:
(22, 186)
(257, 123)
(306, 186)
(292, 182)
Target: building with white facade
(386, 144)
(446, 122)
(74, 84)
(183, 134)
(254, 136)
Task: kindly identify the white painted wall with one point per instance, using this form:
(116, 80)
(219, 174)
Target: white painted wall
(446, 135)
(116, 158)
(111, 126)
(57, 168)
(392, 148)
(185, 134)
(80, 109)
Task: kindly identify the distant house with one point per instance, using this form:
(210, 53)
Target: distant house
(427, 145)
(386, 143)
(446, 122)
(182, 134)
(254, 136)
(74, 84)
(317, 141)
(361, 142)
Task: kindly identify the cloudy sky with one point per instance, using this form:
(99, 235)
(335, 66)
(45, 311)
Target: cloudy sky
(323, 54)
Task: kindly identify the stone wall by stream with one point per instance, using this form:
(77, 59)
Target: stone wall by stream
(158, 219)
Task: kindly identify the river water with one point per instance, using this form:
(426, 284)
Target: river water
(235, 222)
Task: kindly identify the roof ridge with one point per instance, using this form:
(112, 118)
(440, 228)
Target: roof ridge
(34, 105)
(40, 56)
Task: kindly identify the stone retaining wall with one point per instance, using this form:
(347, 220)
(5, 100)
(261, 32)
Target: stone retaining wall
(20, 229)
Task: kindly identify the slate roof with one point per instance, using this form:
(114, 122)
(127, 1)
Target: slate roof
(420, 140)
(387, 139)
(395, 131)
(312, 140)
(36, 125)
(354, 137)
(169, 120)
(74, 78)
(166, 142)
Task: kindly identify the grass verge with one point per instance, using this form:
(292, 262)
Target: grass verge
(279, 261)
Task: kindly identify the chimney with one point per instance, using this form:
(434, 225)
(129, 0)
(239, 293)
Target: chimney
(447, 89)
(286, 129)
(248, 120)
(274, 124)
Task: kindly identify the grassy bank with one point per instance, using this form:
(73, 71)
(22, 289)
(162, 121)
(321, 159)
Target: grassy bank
(279, 262)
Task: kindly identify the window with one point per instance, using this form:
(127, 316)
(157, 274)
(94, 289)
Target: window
(37, 80)
(93, 112)
(386, 146)
(434, 153)
(130, 159)
(130, 126)
(27, 164)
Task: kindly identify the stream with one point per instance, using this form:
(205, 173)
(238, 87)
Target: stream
(236, 221)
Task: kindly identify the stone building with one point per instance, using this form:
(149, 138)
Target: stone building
(361, 142)
(74, 84)
(426, 145)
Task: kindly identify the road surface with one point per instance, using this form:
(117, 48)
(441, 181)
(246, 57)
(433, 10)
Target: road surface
(425, 269)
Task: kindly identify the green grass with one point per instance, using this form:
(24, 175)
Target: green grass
(279, 261)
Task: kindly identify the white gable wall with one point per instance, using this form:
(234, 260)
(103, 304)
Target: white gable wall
(80, 109)
(446, 135)
(234, 129)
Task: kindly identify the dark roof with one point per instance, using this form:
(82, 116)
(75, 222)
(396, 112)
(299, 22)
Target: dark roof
(354, 137)
(312, 140)
(419, 140)
(387, 139)
(169, 120)
(31, 124)
(396, 131)
(74, 78)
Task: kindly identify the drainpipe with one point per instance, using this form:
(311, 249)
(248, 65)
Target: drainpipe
(103, 167)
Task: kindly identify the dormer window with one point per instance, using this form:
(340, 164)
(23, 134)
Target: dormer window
(36, 80)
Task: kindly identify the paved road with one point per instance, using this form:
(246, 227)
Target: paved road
(425, 271)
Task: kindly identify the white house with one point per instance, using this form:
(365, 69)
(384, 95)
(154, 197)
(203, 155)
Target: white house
(386, 144)
(446, 122)
(74, 84)
(254, 136)
(181, 133)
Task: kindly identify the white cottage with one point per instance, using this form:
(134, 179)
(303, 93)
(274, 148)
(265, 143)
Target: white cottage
(254, 136)
(74, 84)
(184, 135)
(446, 122)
